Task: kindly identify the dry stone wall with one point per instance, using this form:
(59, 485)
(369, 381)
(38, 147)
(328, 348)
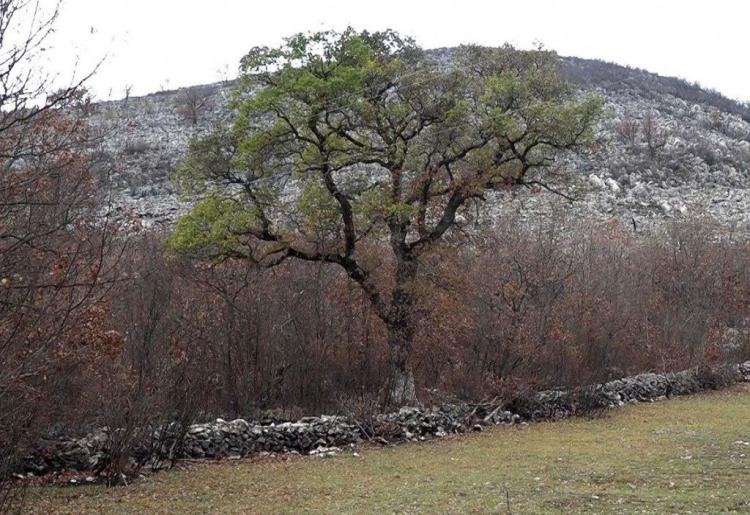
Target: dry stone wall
(326, 435)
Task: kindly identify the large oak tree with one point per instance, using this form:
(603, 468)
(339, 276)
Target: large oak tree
(345, 142)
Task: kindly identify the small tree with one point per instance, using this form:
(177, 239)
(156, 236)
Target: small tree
(193, 102)
(627, 130)
(654, 135)
(349, 141)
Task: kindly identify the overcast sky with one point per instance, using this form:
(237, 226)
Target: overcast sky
(151, 44)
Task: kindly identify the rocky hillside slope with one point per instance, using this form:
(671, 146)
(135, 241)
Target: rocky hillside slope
(665, 149)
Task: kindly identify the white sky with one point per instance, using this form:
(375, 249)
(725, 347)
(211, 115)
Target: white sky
(151, 44)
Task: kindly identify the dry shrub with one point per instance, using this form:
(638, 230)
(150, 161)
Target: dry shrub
(528, 307)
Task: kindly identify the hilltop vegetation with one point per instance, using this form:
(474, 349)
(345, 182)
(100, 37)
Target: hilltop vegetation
(611, 76)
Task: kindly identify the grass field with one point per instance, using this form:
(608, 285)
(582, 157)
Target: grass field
(687, 455)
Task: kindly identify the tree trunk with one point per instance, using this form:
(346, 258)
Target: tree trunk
(401, 388)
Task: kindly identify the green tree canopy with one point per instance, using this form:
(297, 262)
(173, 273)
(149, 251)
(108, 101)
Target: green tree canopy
(342, 138)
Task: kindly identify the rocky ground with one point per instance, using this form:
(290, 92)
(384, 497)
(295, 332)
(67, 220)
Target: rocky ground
(665, 149)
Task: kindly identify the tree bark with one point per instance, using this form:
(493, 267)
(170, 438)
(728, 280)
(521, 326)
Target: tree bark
(401, 387)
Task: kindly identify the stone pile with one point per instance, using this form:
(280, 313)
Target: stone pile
(326, 435)
(63, 453)
(238, 437)
(412, 423)
(648, 387)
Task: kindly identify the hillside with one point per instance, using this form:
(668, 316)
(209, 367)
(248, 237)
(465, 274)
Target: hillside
(665, 149)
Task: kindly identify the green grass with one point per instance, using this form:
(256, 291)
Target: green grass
(679, 456)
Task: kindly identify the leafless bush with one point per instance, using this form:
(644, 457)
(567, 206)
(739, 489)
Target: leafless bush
(192, 103)
(655, 136)
(53, 260)
(707, 152)
(529, 307)
(362, 409)
(570, 311)
(627, 130)
(543, 305)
